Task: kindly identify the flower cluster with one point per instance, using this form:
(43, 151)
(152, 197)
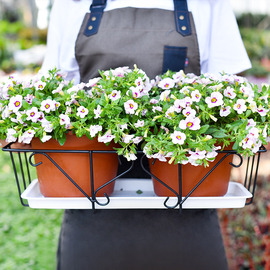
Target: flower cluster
(199, 114)
(177, 117)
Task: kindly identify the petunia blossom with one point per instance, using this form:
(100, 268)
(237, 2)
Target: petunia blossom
(64, 120)
(130, 106)
(188, 112)
(115, 95)
(192, 123)
(225, 111)
(97, 112)
(196, 96)
(178, 137)
(33, 114)
(47, 105)
(10, 135)
(139, 123)
(240, 106)
(166, 83)
(229, 92)
(94, 129)
(15, 103)
(82, 111)
(216, 99)
(107, 137)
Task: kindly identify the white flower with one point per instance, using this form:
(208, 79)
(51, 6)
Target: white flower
(58, 89)
(115, 95)
(190, 123)
(189, 112)
(254, 132)
(166, 83)
(139, 123)
(211, 155)
(184, 90)
(240, 106)
(137, 140)
(185, 102)
(153, 101)
(29, 98)
(170, 112)
(15, 103)
(82, 111)
(40, 85)
(178, 76)
(46, 138)
(94, 129)
(97, 112)
(157, 108)
(47, 105)
(123, 127)
(216, 99)
(130, 156)
(196, 96)
(127, 138)
(160, 156)
(130, 106)
(10, 135)
(18, 118)
(136, 93)
(33, 114)
(178, 137)
(262, 111)
(251, 123)
(65, 121)
(197, 155)
(164, 95)
(27, 136)
(229, 92)
(253, 106)
(92, 82)
(225, 111)
(47, 125)
(178, 105)
(107, 137)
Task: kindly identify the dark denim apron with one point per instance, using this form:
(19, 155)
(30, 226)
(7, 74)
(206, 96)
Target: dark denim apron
(155, 40)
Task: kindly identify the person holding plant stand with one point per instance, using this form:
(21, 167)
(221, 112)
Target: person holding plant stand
(156, 36)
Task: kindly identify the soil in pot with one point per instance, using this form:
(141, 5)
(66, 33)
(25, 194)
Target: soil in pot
(53, 183)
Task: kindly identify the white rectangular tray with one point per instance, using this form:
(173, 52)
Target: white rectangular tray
(136, 194)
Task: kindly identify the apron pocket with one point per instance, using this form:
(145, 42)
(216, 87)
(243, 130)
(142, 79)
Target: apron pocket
(174, 58)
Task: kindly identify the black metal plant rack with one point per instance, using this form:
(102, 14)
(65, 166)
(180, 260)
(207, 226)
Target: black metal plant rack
(22, 161)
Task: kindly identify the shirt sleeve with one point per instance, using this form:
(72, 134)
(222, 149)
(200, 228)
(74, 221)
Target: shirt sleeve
(226, 49)
(51, 59)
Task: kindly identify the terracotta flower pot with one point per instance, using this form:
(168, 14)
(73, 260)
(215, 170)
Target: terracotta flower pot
(216, 183)
(53, 183)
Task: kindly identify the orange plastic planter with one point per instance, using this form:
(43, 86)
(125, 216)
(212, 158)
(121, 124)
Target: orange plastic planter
(216, 183)
(53, 183)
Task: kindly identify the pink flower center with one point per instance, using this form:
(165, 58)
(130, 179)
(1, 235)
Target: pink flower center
(131, 106)
(17, 103)
(47, 106)
(190, 124)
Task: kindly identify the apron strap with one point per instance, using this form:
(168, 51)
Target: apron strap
(182, 21)
(181, 14)
(96, 12)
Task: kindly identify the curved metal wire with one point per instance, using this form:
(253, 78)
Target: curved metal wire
(107, 183)
(60, 169)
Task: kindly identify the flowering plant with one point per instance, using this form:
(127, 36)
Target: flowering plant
(177, 117)
(47, 106)
(194, 116)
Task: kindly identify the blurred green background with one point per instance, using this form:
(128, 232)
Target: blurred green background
(28, 237)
